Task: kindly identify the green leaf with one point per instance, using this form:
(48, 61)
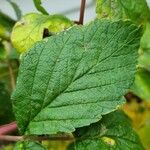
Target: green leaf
(38, 6)
(145, 44)
(6, 24)
(113, 132)
(136, 10)
(141, 86)
(31, 27)
(69, 80)
(109, 9)
(144, 60)
(16, 9)
(28, 145)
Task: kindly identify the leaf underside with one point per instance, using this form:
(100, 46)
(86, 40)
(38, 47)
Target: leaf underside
(69, 80)
(113, 132)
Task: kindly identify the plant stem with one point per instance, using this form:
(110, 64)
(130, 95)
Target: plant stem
(10, 138)
(82, 11)
(11, 74)
(39, 138)
(8, 48)
(4, 129)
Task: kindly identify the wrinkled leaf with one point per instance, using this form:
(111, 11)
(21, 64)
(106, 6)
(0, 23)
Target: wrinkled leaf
(38, 6)
(28, 145)
(31, 27)
(69, 80)
(113, 132)
(141, 86)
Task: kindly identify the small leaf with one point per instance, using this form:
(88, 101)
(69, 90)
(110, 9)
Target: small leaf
(28, 145)
(38, 6)
(16, 9)
(145, 44)
(69, 80)
(141, 86)
(31, 27)
(136, 10)
(109, 9)
(113, 132)
(144, 60)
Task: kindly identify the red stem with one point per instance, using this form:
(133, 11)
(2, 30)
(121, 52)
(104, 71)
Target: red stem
(82, 11)
(7, 128)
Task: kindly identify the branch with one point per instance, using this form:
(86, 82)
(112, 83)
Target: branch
(4, 129)
(10, 138)
(37, 138)
(82, 11)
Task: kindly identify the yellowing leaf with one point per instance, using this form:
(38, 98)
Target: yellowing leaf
(31, 27)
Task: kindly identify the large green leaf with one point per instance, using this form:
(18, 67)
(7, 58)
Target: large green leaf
(136, 10)
(31, 27)
(69, 80)
(113, 132)
(28, 145)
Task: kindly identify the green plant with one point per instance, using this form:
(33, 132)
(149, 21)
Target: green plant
(73, 78)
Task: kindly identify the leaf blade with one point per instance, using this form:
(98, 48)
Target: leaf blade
(65, 77)
(30, 29)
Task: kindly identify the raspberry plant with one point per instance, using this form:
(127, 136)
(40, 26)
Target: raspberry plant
(73, 78)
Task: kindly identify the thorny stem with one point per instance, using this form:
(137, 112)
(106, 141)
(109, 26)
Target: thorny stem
(82, 11)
